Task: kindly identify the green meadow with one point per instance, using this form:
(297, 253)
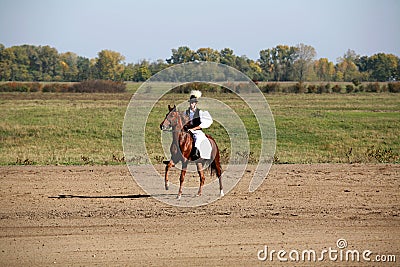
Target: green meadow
(77, 129)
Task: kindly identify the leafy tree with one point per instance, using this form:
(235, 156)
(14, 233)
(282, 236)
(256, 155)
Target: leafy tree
(256, 71)
(266, 64)
(28, 63)
(48, 60)
(351, 55)
(324, 69)
(383, 67)
(129, 72)
(69, 66)
(305, 55)
(141, 71)
(157, 66)
(249, 67)
(208, 54)
(109, 65)
(398, 70)
(363, 66)
(93, 69)
(362, 63)
(227, 57)
(181, 55)
(346, 69)
(7, 59)
(83, 66)
(278, 62)
(242, 64)
(281, 63)
(26, 66)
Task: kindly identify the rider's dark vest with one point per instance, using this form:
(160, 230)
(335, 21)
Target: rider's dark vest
(196, 118)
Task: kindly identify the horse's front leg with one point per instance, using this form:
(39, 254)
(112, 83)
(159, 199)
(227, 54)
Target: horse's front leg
(182, 177)
(202, 178)
(168, 166)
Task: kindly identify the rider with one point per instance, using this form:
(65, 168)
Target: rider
(199, 120)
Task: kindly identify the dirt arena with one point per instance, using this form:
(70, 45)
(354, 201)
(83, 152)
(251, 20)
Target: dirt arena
(97, 215)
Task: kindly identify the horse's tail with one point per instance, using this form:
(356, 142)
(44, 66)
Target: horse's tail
(216, 163)
(213, 168)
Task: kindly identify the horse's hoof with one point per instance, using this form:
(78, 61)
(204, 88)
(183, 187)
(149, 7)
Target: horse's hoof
(167, 186)
(178, 197)
(221, 193)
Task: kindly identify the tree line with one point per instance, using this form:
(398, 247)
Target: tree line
(280, 63)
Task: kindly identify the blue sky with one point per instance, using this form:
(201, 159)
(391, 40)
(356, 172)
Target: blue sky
(149, 29)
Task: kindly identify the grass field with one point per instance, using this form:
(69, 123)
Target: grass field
(47, 128)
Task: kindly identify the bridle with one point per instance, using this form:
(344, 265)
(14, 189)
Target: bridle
(174, 121)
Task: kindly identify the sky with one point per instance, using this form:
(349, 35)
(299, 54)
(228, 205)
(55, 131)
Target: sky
(149, 29)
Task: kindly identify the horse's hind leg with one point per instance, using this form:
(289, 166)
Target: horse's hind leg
(202, 178)
(219, 175)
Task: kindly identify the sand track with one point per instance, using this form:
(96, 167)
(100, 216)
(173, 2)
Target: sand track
(97, 215)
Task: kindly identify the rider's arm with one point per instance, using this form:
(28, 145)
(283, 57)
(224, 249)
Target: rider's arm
(196, 128)
(206, 119)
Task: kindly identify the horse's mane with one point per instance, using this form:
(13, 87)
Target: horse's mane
(184, 117)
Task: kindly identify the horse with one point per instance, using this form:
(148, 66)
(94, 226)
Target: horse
(181, 147)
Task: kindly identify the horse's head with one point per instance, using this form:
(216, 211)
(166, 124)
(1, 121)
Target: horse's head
(172, 119)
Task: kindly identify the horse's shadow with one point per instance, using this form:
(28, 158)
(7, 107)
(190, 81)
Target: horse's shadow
(115, 196)
(106, 197)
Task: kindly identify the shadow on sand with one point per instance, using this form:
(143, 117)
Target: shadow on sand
(119, 196)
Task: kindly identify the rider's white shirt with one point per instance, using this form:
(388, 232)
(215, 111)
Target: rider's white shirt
(201, 141)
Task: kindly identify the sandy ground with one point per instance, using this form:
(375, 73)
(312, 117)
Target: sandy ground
(97, 215)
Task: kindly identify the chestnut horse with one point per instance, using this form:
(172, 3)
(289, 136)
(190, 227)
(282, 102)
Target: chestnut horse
(182, 142)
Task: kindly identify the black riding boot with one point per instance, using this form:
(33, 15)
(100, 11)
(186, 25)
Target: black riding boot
(195, 154)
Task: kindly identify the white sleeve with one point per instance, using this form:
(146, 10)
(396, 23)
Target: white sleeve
(205, 119)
